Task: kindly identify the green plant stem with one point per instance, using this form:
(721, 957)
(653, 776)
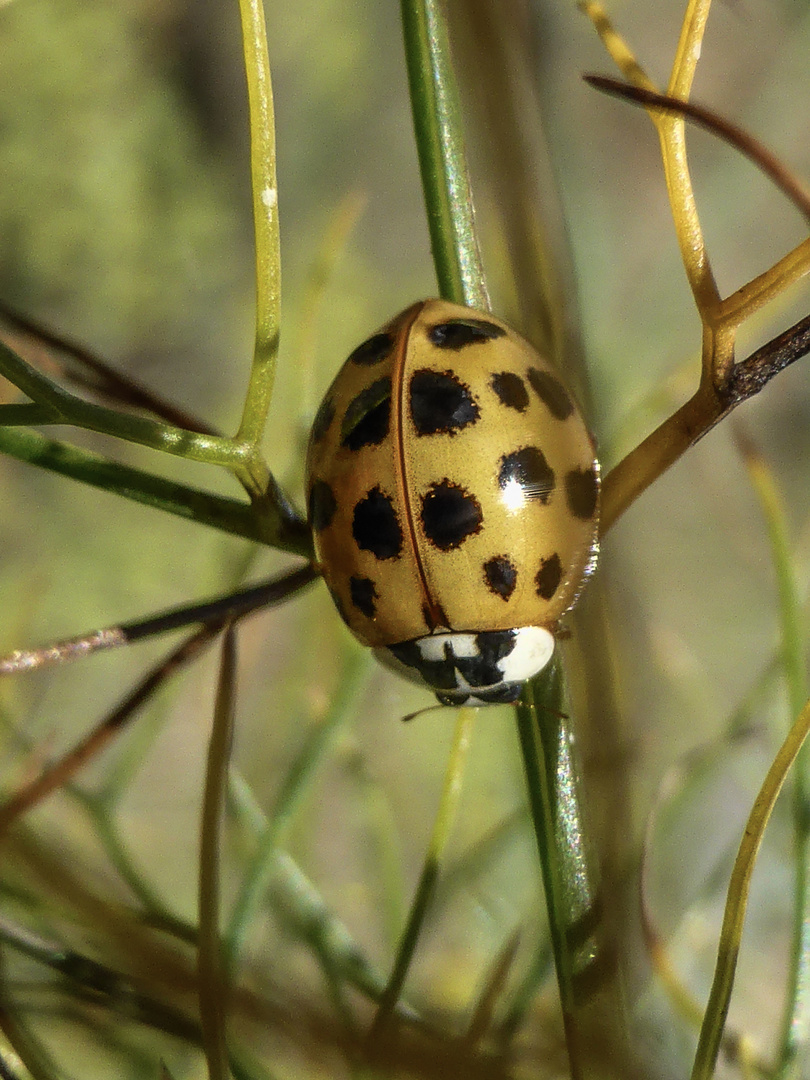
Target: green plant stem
(130, 873)
(211, 968)
(714, 1019)
(547, 752)
(297, 784)
(442, 827)
(68, 409)
(383, 853)
(265, 223)
(520, 1000)
(796, 1019)
(442, 160)
(31, 1051)
(212, 980)
(27, 413)
(568, 873)
(229, 515)
(241, 455)
(298, 903)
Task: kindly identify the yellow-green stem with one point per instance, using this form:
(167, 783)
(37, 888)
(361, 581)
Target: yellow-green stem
(265, 223)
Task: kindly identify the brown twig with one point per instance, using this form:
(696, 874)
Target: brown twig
(217, 615)
(97, 375)
(710, 404)
(787, 182)
(234, 605)
(66, 768)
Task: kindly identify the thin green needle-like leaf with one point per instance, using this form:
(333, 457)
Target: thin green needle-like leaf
(210, 965)
(520, 1000)
(80, 365)
(69, 409)
(29, 1049)
(479, 858)
(60, 406)
(442, 828)
(265, 222)
(119, 855)
(383, 853)
(714, 1019)
(796, 1020)
(246, 1067)
(568, 866)
(789, 603)
(591, 1007)
(297, 783)
(490, 997)
(28, 413)
(219, 512)
(442, 159)
(555, 814)
(297, 901)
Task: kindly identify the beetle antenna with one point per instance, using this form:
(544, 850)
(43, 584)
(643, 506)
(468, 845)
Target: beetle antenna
(421, 712)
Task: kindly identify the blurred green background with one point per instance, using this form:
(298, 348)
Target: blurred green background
(125, 223)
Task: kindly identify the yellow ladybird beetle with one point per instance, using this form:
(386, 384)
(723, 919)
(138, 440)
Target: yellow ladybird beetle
(453, 497)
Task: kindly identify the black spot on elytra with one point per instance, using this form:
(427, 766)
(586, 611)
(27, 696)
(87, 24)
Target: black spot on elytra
(323, 419)
(373, 351)
(511, 390)
(551, 392)
(581, 490)
(363, 594)
(500, 574)
(449, 515)
(375, 526)
(322, 505)
(548, 577)
(440, 403)
(528, 468)
(457, 334)
(366, 420)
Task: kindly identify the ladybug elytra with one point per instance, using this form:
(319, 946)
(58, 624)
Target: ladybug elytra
(453, 496)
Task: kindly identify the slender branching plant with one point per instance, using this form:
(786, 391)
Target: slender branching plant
(221, 851)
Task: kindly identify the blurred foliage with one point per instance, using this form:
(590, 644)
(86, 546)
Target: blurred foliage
(124, 221)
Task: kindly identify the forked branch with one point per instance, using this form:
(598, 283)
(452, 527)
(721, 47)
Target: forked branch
(724, 383)
(709, 405)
